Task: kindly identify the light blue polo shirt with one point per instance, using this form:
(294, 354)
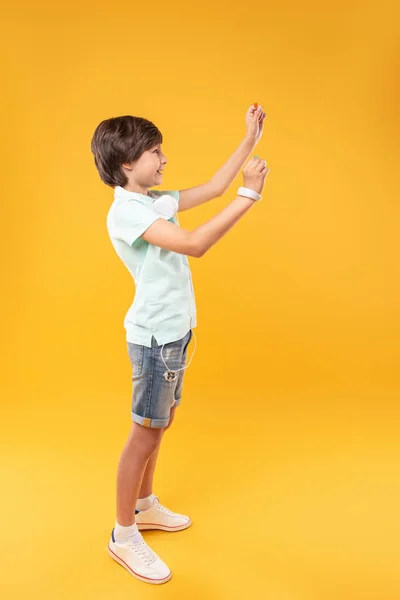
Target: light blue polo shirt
(164, 303)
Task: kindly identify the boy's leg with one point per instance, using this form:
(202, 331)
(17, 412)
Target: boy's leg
(147, 482)
(151, 514)
(126, 545)
(141, 443)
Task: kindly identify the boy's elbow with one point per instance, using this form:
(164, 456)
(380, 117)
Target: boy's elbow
(196, 250)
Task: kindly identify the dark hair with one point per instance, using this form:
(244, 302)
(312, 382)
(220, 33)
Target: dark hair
(119, 140)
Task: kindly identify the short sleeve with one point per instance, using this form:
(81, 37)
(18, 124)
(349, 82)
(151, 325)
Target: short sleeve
(132, 219)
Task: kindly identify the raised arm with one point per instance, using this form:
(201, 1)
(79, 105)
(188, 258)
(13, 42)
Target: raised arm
(197, 242)
(224, 177)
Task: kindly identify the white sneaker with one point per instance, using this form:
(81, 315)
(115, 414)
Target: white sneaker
(160, 517)
(140, 560)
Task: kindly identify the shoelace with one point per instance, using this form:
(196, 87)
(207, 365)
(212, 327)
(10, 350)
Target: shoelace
(163, 508)
(143, 551)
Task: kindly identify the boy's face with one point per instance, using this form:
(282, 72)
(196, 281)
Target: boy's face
(144, 172)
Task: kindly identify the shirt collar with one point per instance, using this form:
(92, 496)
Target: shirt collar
(120, 192)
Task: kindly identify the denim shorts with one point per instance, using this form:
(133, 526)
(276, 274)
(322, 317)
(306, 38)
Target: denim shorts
(155, 388)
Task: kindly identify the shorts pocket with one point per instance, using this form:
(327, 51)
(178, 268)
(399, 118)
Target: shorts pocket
(136, 355)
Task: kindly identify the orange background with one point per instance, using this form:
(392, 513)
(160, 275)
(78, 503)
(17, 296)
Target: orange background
(285, 450)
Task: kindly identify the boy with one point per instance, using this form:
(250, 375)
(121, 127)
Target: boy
(146, 235)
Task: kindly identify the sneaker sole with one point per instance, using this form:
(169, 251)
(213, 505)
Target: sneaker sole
(143, 526)
(132, 572)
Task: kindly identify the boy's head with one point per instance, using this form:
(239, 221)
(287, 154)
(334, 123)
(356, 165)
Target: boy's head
(127, 152)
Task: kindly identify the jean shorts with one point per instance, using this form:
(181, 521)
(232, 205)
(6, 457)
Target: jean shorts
(157, 388)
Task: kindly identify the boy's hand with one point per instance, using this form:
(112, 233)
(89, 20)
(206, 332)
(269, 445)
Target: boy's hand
(255, 123)
(254, 174)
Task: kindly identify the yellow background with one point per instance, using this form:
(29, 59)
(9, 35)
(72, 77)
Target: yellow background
(285, 450)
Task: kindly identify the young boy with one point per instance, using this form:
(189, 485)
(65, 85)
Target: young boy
(145, 233)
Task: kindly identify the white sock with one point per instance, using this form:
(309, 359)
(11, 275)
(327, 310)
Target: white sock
(145, 503)
(122, 534)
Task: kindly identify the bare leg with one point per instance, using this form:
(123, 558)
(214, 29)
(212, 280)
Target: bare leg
(141, 443)
(147, 482)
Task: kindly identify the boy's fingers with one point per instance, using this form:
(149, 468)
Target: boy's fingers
(262, 164)
(255, 111)
(254, 162)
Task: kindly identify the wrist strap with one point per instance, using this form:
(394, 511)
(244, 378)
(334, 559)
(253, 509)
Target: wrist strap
(248, 193)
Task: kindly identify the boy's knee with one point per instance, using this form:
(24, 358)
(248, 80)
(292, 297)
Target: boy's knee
(145, 439)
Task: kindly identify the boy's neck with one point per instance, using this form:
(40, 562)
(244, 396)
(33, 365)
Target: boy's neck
(137, 189)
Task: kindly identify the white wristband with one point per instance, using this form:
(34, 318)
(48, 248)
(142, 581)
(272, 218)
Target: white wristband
(248, 193)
